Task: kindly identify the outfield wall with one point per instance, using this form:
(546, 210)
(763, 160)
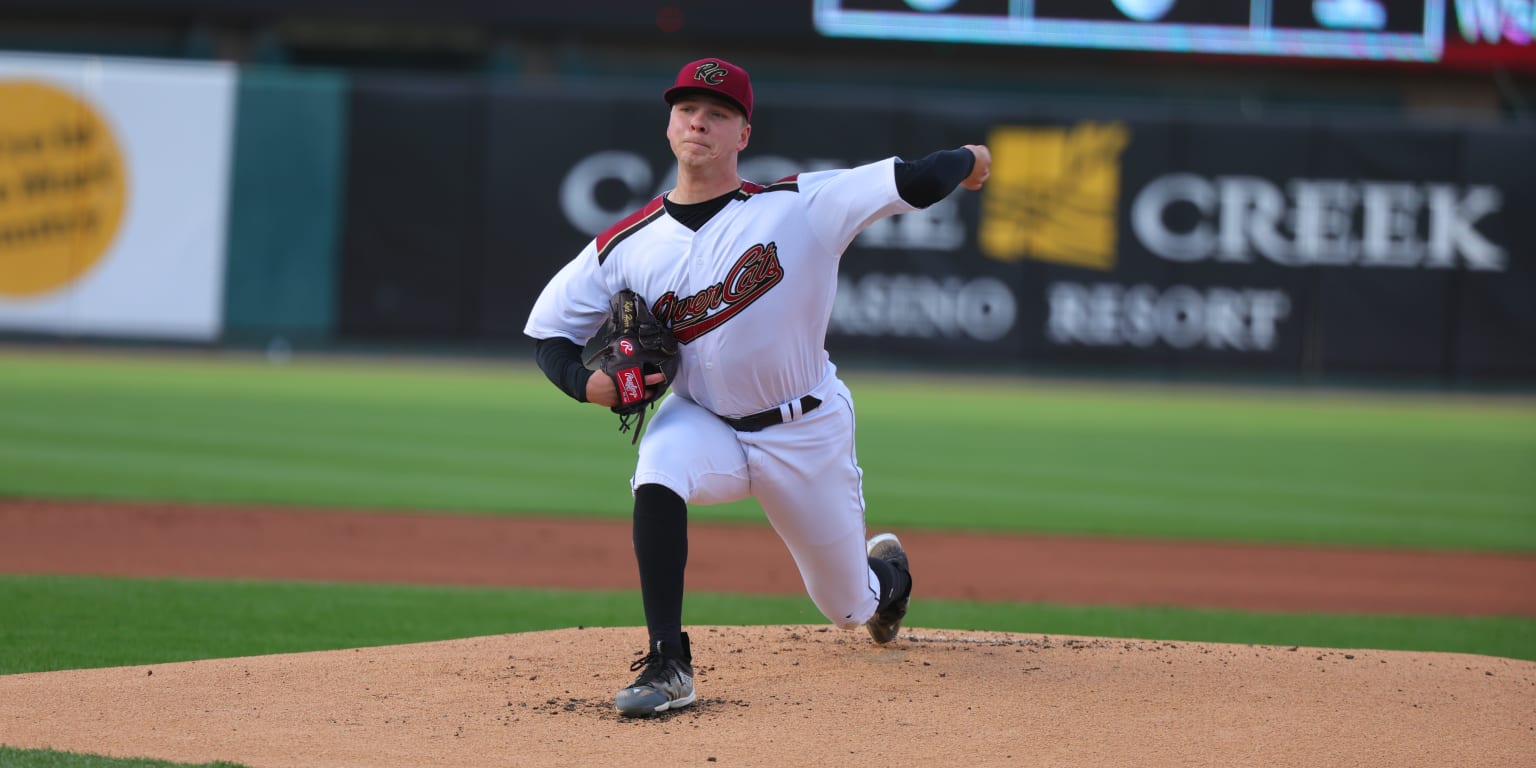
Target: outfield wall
(431, 209)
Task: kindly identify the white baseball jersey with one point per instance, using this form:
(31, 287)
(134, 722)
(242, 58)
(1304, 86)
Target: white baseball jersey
(749, 295)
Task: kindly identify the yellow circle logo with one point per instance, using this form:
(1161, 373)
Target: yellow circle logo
(62, 188)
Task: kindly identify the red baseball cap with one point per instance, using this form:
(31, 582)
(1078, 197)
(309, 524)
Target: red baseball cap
(715, 76)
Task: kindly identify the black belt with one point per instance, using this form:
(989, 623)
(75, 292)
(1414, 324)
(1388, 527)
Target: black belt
(760, 421)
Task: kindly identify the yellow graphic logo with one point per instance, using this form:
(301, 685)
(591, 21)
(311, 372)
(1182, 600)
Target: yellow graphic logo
(62, 188)
(1052, 194)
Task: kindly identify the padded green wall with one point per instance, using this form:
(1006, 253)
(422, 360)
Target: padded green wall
(286, 197)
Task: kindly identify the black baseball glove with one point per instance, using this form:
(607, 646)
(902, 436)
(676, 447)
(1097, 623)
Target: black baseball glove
(632, 344)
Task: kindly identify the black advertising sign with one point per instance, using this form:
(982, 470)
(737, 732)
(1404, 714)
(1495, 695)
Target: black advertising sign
(1384, 247)
(913, 285)
(1178, 278)
(1492, 311)
(1160, 245)
(553, 184)
(411, 243)
(1194, 245)
(1293, 248)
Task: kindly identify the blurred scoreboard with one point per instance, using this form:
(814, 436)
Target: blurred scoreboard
(1494, 32)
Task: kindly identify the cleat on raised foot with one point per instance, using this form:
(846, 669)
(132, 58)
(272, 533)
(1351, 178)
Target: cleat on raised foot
(665, 682)
(886, 623)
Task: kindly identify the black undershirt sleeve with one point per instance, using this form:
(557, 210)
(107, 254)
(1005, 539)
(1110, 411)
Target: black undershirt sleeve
(930, 179)
(560, 359)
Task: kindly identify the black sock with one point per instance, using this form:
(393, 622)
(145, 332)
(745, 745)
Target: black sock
(661, 551)
(894, 585)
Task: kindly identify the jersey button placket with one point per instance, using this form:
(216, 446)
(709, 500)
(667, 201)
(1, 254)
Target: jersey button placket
(709, 365)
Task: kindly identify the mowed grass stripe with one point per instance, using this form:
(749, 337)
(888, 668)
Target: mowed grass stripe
(471, 454)
(371, 442)
(1078, 511)
(1002, 455)
(1199, 409)
(69, 622)
(289, 445)
(47, 758)
(1342, 473)
(379, 430)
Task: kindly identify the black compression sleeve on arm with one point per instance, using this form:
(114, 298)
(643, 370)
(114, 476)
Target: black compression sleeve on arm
(560, 359)
(930, 179)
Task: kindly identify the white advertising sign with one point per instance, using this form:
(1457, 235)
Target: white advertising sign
(114, 178)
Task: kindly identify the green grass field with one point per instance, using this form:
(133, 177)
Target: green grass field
(1357, 469)
(75, 622)
(44, 758)
(1005, 455)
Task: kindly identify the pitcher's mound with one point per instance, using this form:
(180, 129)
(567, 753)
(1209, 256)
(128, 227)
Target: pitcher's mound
(797, 696)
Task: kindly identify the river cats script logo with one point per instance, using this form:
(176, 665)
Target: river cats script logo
(752, 275)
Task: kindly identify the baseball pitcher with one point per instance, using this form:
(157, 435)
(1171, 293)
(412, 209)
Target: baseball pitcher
(721, 290)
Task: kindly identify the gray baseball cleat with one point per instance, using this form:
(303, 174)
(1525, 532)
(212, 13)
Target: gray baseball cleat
(886, 622)
(666, 682)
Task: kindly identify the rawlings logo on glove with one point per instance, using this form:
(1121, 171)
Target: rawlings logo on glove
(631, 386)
(632, 344)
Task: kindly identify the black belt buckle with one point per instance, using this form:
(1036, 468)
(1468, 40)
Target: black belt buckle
(758, 422)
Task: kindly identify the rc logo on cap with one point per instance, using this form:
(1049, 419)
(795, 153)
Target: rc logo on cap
(710, 72)
(716, 77)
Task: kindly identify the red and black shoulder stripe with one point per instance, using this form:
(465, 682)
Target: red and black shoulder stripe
(786, 184)
(627, 226)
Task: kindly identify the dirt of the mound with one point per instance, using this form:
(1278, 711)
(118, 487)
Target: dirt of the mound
(778, 696)
(798, 696)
